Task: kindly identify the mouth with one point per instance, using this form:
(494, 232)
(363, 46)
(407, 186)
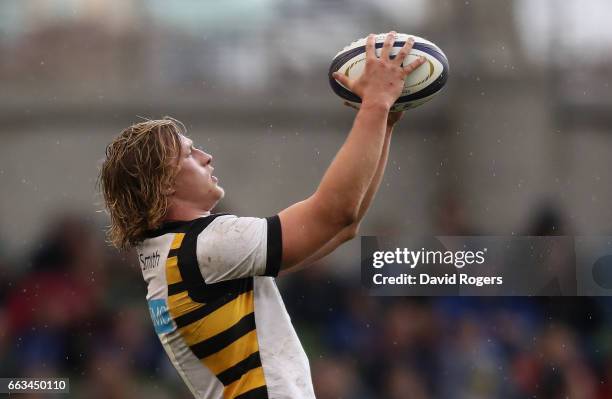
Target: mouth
(214, 179)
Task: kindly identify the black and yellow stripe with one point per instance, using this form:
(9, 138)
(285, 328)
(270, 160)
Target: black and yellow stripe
(220, 331)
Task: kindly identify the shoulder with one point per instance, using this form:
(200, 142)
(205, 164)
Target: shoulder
(231, 247)
(232, 233)
(233, 225)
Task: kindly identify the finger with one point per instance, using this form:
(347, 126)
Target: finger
(386, 49)
(404, 51)
(408, 69)
(342, 78)
(370, 47)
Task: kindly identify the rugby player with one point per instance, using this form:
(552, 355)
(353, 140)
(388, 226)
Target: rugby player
(210, 277)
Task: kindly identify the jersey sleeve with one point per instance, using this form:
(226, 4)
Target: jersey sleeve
(234, 247)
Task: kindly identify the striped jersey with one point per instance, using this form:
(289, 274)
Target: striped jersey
(217, 311)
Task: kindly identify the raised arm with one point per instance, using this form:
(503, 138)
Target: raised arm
(308, 225)
(349, 232)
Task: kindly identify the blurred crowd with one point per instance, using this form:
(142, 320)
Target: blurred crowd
(75, 308)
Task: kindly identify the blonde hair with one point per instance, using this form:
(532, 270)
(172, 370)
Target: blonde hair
(137, 176)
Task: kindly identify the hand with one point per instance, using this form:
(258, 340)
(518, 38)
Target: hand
(383, 78)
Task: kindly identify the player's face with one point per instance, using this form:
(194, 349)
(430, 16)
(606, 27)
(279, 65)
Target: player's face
(195, 183)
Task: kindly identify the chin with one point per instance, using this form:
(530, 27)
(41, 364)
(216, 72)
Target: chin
(221, 192)
(212, 197)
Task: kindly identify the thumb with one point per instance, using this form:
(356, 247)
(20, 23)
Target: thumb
(343, 79)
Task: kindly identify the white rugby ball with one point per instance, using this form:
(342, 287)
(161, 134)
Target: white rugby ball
(420, 86)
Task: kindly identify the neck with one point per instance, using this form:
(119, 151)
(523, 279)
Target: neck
(180, 210)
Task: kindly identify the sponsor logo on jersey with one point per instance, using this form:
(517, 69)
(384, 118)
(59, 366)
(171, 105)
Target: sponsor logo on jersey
(160, 316)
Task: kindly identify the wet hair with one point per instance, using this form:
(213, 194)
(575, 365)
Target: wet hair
(137, 176)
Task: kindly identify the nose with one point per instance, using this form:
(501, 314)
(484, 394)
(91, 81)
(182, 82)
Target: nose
(204, 157)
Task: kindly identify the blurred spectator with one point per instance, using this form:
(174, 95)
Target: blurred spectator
(449, 215)
(548, 220)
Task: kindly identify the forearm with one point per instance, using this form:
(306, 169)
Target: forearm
(380, 171)
(348, 178)
(350, 231)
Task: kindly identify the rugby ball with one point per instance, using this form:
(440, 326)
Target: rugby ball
(420, 86)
